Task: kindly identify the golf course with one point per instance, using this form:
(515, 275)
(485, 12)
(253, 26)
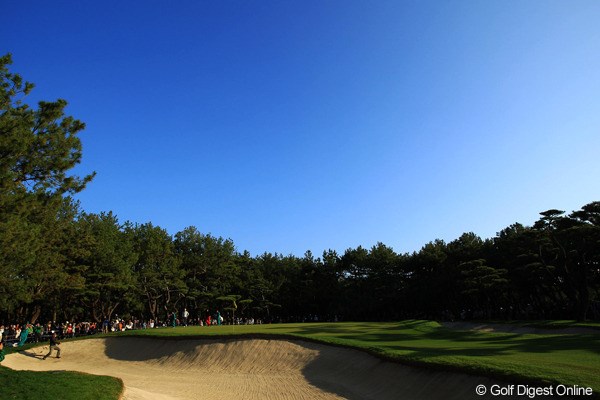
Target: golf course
(283, 200)
(407, 359)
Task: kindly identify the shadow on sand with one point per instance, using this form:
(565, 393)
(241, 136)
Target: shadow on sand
(31, 353)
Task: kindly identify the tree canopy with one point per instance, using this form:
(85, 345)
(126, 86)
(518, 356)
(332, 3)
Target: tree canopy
(37, 146)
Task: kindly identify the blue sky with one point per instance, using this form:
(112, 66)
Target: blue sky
(309, 125)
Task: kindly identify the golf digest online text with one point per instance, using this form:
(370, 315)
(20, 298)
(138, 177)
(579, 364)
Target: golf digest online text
(533, 391)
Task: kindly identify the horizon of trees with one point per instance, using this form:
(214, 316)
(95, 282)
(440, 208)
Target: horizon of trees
(58, 262)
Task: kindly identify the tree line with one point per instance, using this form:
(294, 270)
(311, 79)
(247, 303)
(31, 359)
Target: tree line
(58, 262)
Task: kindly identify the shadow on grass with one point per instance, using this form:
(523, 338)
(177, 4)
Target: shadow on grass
(418, 337)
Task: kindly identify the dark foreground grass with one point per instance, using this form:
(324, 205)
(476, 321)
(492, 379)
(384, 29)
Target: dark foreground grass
(57, 385)
(572, 359)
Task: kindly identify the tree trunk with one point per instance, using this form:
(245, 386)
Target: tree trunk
(109, 309)
(37, 310)
(95, 315)
(583, 304)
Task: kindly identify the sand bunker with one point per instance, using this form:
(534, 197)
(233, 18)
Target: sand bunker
(247, 369)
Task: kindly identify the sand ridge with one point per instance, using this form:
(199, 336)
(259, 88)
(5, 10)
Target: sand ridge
(246, 369)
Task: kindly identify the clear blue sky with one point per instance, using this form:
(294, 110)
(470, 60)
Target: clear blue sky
(307, 125)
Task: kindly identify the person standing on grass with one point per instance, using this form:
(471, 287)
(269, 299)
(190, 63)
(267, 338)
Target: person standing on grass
(1, 351)
(53, 346)
(38, 332)
(24, 335)
(186, 314)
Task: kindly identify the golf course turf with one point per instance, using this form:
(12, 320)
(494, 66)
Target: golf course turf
(568, 359)
(57, 385)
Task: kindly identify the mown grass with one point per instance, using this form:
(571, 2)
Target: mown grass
(572, 359)
(57, 385)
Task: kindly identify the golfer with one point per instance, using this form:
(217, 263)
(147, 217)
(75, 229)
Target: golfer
(53, 345)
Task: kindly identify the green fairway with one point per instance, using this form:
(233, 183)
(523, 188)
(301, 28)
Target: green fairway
(572, 359)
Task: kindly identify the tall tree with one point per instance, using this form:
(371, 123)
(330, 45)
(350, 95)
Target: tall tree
(38, 146)
(426, 280)
(533, 289)
(189, 245)
(484, 286)
(570, 244)
(330, 288)
(111, 259)
(221, 275)
(56, 267)
(256, 289)
(158, 273)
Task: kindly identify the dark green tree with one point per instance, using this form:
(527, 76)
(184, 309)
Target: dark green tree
(159, 276)
(222, 273)
(330, 300)
(483, 286)
(533, 289)
(109, 278)
(569, 244)
(190, 246)
(256, 289)
(54, 275)
(425, 280)
(38, 146)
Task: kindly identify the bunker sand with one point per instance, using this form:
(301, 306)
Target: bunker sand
(247, 369)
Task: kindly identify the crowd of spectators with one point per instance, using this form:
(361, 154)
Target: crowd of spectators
(19, 334)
